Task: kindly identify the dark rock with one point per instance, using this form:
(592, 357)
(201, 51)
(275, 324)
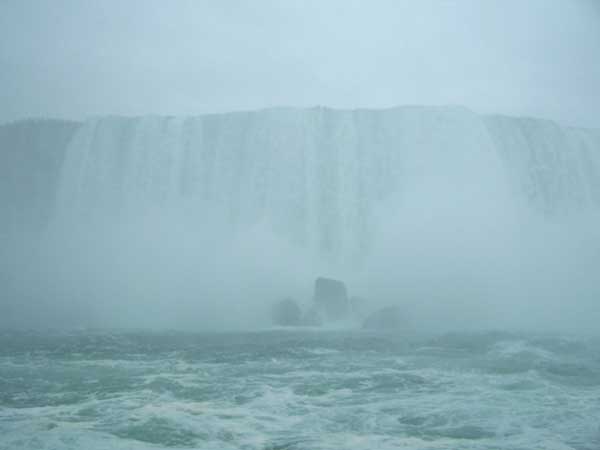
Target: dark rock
(331, 298)
(286, 313)
(389, 318)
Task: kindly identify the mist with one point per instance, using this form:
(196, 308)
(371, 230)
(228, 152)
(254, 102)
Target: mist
(67, 59)
(449, 272)
(302, 225)
(444, 233)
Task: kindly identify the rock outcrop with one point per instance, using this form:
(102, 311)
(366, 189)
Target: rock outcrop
(331, 298)
(287, 313)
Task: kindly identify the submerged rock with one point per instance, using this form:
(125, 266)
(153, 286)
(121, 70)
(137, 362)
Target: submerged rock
(331, 298)
(286, 313)
(389, 318)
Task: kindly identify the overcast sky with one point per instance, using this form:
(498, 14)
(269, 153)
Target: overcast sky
(76, 58)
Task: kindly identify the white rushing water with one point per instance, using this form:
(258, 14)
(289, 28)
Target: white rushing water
(211, 218)
(317, 176)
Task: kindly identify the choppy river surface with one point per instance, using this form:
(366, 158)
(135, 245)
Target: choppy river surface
(298, 390)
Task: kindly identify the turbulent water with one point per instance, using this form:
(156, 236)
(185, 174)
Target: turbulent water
(298, 390)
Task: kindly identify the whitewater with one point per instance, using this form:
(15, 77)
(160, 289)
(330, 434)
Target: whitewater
(311, 389)
(318, 177)
(201, 221)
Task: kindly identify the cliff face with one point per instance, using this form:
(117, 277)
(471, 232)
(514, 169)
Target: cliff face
(315, 176)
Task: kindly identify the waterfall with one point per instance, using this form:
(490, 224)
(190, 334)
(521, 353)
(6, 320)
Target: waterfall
(321, 178)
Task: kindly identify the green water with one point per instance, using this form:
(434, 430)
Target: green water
(298, 390)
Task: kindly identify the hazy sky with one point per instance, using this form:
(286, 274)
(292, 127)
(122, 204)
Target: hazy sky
(74, 58)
